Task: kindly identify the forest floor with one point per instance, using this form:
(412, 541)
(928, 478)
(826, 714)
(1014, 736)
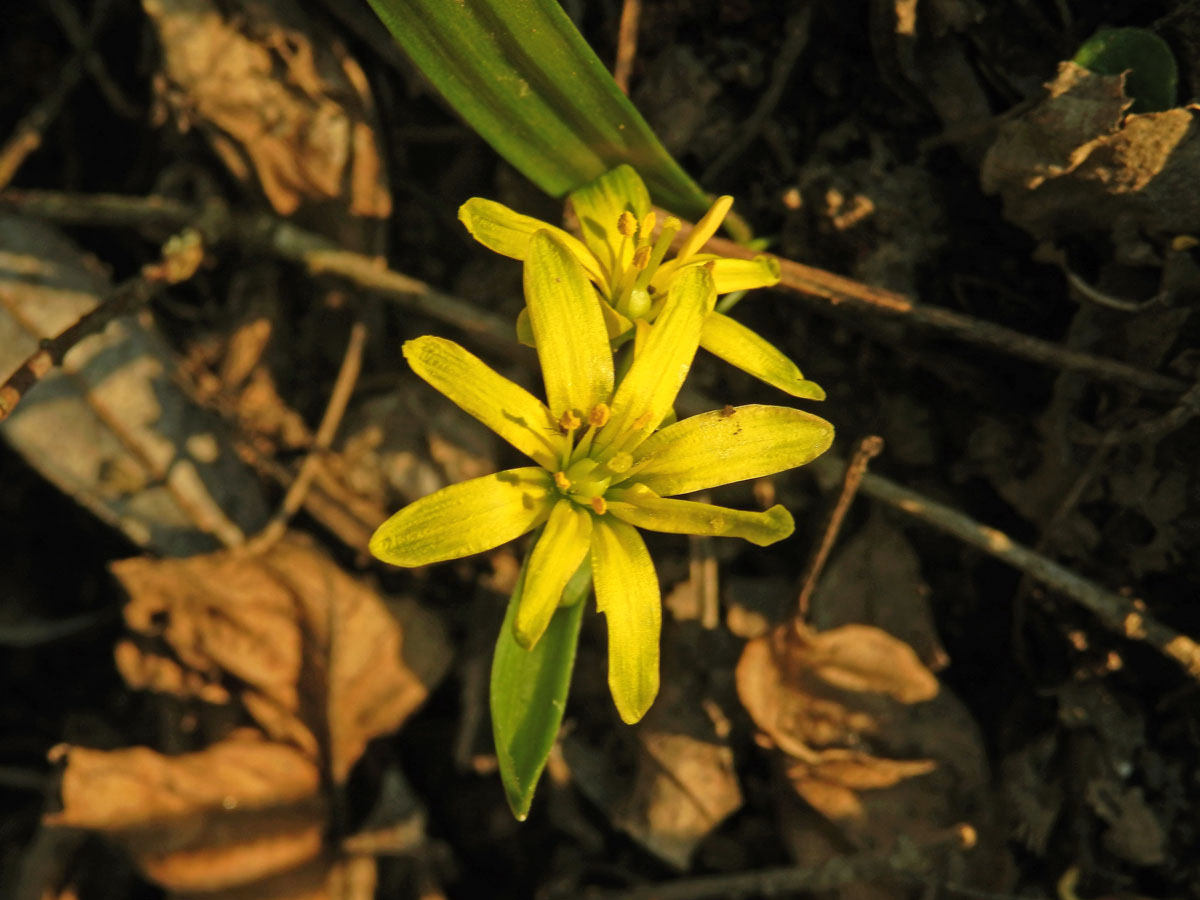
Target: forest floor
(990, 692)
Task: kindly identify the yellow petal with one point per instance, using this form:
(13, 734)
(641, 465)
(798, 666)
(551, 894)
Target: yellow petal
(568, 328)
(599, 204)
(556, 555)
(728, 445)
(749, 351)
(627, 594)
(729, 274)
(506, 232)
(465, 518)
(506, 408)
(648, 390)
(640, 506)
(705, 228)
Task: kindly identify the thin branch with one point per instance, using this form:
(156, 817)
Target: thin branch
(27, 136)
(181, 258)
(339, 398)
(904, 861)
(1118, 614)
(262, 233)
(627, 34)
(868, 449)
(835, 290)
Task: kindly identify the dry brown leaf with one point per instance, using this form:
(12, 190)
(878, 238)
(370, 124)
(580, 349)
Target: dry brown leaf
(282, 105)
(866, 735)
(238, 811)
(686, 783)
(111, 428)
(876, 578)
(1076, 163)
(317, 658)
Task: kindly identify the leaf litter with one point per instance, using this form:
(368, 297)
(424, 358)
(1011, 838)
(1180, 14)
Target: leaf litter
(322, 664)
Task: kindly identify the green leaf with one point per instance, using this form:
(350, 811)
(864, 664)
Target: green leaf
(529, 690)
(521, 75)
(1153, 75)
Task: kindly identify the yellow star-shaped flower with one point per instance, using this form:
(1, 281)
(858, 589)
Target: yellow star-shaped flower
(604, 466)
(627, 263)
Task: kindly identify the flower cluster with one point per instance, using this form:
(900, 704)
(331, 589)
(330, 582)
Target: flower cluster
(609, 456)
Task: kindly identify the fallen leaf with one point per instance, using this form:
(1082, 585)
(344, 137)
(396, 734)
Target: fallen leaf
(318, 659)
(110, 427)
(1076, 163)
(239, 811)
(866, 736)
(685, 783)
(282, 105)
(876, 577)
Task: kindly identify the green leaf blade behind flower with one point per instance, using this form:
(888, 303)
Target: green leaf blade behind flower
(729, 445)
(529, 692)
(520, 74)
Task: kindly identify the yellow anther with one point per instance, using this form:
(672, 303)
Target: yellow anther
(562, 481)
(569, 421)
(671, 223)
(641, 256)
(599, 415)
(599, 506)
(647, 226)
(627, 224)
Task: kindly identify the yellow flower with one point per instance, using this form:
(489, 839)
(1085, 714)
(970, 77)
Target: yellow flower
(628, 265)
(604, 468)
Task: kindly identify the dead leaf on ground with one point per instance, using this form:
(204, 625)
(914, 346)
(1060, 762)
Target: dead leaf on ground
(866, 737)
(316, 656)
(876, 577)
(319, 660)
(1077, 164)
(685, 783)
(282, 106)
(111, 428)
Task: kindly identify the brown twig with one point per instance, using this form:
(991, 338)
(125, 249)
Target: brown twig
(868, 448)
(181, 257)
(627, 34)
(796, 31)
(27, 136)
(263, 233)
(339, 398)
(835, 290)
(906, 860)
(1117, 613)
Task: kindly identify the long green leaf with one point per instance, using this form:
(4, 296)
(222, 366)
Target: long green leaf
(529, 690)
(521, 75)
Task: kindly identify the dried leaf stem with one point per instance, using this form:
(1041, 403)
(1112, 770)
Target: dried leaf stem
(868, 448)
(1119, 614)
(263, 233)
(835, 290)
